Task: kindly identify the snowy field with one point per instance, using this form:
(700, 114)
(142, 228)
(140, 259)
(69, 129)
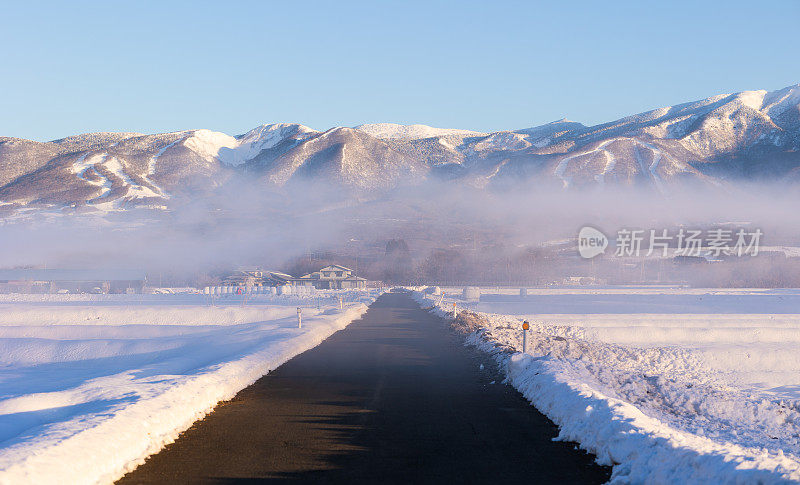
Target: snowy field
(90, 385)
(668, 384)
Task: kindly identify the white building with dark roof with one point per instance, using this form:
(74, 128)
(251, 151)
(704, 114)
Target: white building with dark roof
(333, 277)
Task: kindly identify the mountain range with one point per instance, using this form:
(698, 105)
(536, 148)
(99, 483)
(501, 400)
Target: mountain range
(714, 142)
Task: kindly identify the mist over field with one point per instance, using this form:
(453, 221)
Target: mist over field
(438, 232)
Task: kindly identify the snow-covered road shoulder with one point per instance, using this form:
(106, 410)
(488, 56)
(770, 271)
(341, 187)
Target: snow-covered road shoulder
(651, 413)
(84, 404)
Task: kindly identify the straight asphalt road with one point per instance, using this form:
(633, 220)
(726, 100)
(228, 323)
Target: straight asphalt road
(393, 398)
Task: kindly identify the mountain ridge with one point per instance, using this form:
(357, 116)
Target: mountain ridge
(746, 136)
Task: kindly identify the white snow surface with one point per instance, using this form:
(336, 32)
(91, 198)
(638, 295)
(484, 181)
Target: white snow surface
(411, 132)
(89, 389)
(504, 140)
(236, 151)
(668, 385)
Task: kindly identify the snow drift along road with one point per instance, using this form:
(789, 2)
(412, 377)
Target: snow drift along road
(665, 398)
(84, 404)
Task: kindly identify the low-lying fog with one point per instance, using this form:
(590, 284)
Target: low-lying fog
(436, 233)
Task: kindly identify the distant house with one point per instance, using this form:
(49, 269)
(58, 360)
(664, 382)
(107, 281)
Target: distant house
(333, 277)
(257, 277)
(275, 278)
(245, 277)
(71, 281)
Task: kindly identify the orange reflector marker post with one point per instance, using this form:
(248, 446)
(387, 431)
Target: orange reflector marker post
(525, 327)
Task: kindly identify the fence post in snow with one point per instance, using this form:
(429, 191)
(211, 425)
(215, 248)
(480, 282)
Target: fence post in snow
(525, 327)
(299, 317)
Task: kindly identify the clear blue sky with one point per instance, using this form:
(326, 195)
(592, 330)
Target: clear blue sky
(73, 67)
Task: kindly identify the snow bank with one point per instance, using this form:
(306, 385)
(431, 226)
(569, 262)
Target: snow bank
(84, 404)
(664, 398)
(642, 448)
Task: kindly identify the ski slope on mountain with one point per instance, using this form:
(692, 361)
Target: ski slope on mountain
(235, 151)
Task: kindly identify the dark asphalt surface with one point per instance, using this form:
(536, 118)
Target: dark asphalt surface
(393, 398)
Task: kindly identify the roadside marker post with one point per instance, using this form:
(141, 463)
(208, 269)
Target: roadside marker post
(525, 327)
(455, 310)
(299, 317)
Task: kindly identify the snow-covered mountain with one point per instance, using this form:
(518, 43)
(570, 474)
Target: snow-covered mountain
(411, 132)
(753, 135)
